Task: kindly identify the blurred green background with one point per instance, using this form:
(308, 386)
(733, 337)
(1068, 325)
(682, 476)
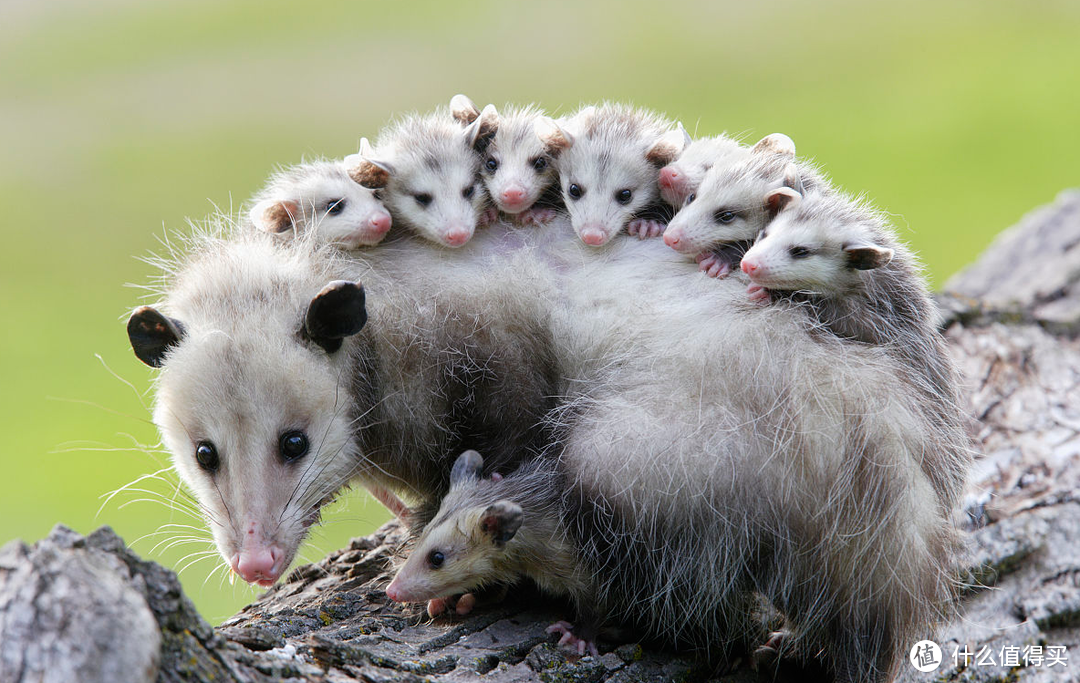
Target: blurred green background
(120, 118)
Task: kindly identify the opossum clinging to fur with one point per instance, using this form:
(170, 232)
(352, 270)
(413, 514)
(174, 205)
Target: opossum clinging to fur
(683, 176)
(320, 197)
(609, 171)
(427, 169)
(729, 207)
(518, 160)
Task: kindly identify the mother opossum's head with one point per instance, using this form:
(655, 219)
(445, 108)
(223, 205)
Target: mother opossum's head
(258, 426)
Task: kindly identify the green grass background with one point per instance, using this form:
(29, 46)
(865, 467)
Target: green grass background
(118, 119)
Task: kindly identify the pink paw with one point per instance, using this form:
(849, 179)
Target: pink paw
(537, 216)
(488, 216)
(645, 228)
(713, 265)
(462, 605)
(568, 638)
(758, 294)
(767, 654)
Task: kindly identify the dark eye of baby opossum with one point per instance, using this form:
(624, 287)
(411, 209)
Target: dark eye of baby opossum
(467, 193)
(435, 559)
(423, 199)
(492, 164)
(377, 194)
(539, 163)
(335, 206)
(293, 445)
(623, 196)
(207, 457)
(691, 197)
(575, 191)
(798, 252)
(724, 216)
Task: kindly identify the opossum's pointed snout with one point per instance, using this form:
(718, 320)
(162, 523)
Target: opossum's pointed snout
(380, 223)
(672, 238)
(593, 235)
(672, 185)
(393, 592)
(456, 236)
(258, 562)
(670, 177)
(750, 266)
(513, 197)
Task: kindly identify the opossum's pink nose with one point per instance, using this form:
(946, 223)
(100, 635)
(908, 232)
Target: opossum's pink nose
(672, 237)
(750, 266)
(380, 222)
(513, 195)
(258, 564)
(593, 236)
(457, 236)
(670, 178)
(393, 592)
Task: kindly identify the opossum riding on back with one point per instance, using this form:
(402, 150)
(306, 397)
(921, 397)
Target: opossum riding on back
(519, 158)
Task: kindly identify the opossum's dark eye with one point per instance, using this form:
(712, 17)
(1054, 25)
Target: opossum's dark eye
(575, 191)
(377, 194)
(491, 164)
(798, 252)
(468, 192)
(435, 559)
(335, 206)
(423, 199)
(724, 216)
(690, 197)
(539, 163)
(623, 196)
(293, 445)
(207, 457)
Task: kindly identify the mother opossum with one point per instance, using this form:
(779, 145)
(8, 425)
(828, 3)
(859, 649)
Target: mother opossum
(711, 447)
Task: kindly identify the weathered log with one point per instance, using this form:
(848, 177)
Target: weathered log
(88, 609)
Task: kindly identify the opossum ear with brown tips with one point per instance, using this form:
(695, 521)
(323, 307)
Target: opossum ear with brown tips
(775, 143)
(668, 148)
(867, 256)
(480, 132)
(782, 199)
(370, 173)
(152, 335)
(500, 521)
(337, 312)
(468, 466)
(554, 138)
(463, 110)
(275, 215)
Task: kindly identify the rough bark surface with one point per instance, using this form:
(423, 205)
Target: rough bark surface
(87, 609)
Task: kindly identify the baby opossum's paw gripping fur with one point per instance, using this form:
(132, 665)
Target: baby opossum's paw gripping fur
(714, 265)
(566, 629)
(644, 228)
(537, 216)
(758, 294)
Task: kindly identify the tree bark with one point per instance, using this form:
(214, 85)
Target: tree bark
(88, 609)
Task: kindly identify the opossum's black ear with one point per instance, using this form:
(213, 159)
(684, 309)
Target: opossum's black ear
(275, 215)
(467, 466)
(370, 173)
(554, 138)
(152, 335)
(338, 311)
(780, 199)
(775, 143)
(463, 110)
(500, 521)
(480, 132)
(668, 148)
(867, 256)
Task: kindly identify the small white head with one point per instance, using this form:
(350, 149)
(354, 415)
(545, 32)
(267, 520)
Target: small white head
(466, 545)
(812, 246)
(427, 169)
(519, 162)
(684, 175)
(321, 197)
(728, 205)
(252, 399)
(609, 169)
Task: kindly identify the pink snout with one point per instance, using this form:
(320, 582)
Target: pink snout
(672, 238)
(513, 196)
(457, 236)
(259, 564)
(394, 592)
(750, 266)
(670, 178)
(593, 236)
(380, 223)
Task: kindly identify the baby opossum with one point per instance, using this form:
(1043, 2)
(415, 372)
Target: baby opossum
(518, 163)
(837, 259)
(427, 169)
(609, 171)
(278, 389)
(726, 212)
(321, 197)
(683, 176)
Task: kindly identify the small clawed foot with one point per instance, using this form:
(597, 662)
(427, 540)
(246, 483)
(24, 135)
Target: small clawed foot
(758, 294)
(644, 228)
(568, 638)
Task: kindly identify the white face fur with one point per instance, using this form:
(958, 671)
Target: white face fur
(321, 198)
(518, 164)
(430, 178)
(684, 175)
(609, 172)
(801, 252)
